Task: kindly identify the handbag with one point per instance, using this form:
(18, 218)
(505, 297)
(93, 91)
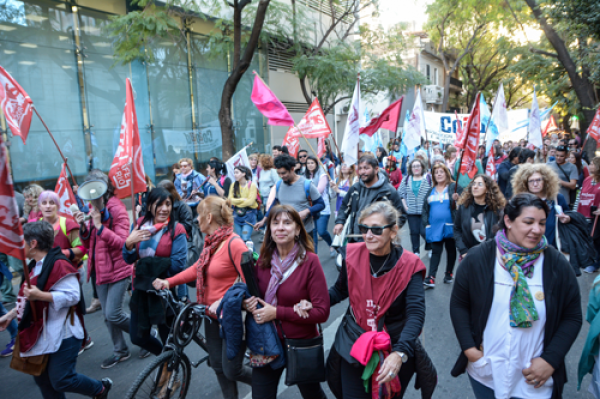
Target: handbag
(32, 365)
(305, 359)
(240, 212)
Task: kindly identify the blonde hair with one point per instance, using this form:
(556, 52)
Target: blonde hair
(33, 190)
(219, 208)
(525, 171)
(389, 213)
(188, 160)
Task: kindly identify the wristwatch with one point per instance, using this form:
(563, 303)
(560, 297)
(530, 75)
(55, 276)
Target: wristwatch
(403, 356)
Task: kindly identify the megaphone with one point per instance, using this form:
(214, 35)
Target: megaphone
(93, 191)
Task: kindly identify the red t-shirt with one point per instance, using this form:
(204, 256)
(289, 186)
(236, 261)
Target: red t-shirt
(590, 195)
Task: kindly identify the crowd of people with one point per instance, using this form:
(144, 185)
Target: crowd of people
(517, 240)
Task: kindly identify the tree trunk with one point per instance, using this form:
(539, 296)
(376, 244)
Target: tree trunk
(240, 67)
(446, 91)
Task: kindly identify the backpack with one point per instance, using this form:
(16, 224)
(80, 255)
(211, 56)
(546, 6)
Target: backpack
(258, 198)
(307, 184)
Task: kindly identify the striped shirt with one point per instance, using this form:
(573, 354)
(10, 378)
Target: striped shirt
(414, 203)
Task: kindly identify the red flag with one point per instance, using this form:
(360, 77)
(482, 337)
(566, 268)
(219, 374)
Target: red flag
(16, 105)
(549, 125)
(11, 232)
(269, 105)
(320, 148)
(490, 168)
(594, 129)
(65, 194)
(313, 125)
(129, 153)
(458, 142)
(471, 141)
(387, 120)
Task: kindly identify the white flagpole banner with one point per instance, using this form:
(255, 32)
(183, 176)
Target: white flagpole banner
(351, 133)
(240, 158)
(535, 124)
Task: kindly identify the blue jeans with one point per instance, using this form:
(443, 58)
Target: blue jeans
(481, 391)
(60, 376)
(241, 226)
(12, 326)
(322, 224)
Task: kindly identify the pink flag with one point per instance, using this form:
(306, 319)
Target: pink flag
(65, 194)
(269, 105)
(11, 232)
(16, 104)
(129, 153)
(471, 141)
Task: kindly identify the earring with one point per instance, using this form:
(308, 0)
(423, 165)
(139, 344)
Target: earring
(297, 238)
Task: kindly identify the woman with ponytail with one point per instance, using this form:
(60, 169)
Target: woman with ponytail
(243, 196)
(215, 272)
(516, 308)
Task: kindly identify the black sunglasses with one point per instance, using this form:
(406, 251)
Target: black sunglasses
(376, 230)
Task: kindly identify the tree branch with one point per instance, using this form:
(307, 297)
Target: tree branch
(542, 52)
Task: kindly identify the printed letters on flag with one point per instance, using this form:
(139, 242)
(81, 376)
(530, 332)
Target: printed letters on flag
(320, 148)
(11, 232)
(472, 130)
(460, 131)
(351, 132)
(269, 105)
(65, 194)
(16, 105)
(387, 120)
(594, 129)
(490, 168)
(313, 125)
(129, 153)
(240, 158)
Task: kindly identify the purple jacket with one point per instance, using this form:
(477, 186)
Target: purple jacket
(105, 250)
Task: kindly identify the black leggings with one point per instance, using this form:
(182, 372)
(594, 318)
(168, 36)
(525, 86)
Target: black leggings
(416, 230)
(265, 381)
(147, 341)
(352, 383)
(437, 249)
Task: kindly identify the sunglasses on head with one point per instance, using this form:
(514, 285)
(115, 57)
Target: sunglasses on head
(376, 230)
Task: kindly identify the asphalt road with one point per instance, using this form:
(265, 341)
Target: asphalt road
(438, 338)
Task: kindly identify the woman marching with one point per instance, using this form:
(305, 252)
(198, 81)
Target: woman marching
(480, 208)
(346, 179)
(215, 272)
(216, 182)
(288, 272)
(243, 196)
(320, 180)
(516, 309)
(438, 222)
(376, 344)
(413, 191)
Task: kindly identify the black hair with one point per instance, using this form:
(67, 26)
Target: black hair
(307, 173)
(277, 147)
(515, 207)
(383, 153)
(158, 196)
(218, 166)
(514, 153)
(562, 148)
(298, 156)
(285, 161)
(285, 150)
(42, 232)
(369, 160)
(525, 154)
(247, 173)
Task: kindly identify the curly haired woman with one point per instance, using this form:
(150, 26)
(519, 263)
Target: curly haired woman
(540, 180)
(480, 207)
(31, 210)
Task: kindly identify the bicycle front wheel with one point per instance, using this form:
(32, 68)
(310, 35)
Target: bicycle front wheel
(165, 378)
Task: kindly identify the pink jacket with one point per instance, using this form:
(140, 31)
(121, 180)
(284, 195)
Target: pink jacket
(105, 251)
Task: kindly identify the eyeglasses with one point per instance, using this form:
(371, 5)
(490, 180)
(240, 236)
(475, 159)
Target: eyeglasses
(302, 156)
(535, 181)
(376, 230)
(479, 184)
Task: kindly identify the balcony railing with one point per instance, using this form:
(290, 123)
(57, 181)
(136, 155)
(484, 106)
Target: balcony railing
(456, 82)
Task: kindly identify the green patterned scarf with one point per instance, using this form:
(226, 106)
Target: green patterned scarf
(518, 261)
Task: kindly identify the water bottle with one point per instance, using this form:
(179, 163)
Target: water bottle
(250, 245)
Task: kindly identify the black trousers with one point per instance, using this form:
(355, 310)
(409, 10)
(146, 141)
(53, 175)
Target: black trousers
(352, 383)
(416, 231)
(265, 381)
(437, 248)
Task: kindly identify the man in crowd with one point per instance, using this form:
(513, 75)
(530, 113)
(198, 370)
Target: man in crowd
(302, 156)
(505, 167)
(372, 187)
(278, 150)
(567, 173)
(292, 190)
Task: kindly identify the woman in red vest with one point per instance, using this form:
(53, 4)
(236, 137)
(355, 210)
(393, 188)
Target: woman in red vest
(57, 331)
(377, 342)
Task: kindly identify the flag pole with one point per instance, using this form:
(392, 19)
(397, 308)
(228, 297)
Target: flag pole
(28, 282)
(463, 149)
(55, 143)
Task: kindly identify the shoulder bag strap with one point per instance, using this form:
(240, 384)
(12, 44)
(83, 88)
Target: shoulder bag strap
(239, 279)
(564, 173)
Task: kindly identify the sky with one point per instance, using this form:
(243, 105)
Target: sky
(412, 11)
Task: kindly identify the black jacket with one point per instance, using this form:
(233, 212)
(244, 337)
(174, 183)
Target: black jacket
(360, 196)
(425, 214)
(183, 214)
(471, 302)
(503, 174)
(575, 240)
(463, 233)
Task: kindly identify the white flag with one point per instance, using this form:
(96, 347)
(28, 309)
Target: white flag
(535, 124)
(499, 122)
(240, 158)
(416, 125)
(350, 141)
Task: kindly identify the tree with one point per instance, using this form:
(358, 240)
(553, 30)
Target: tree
(139, 29)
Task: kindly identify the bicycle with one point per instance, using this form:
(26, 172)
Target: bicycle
(168, 376)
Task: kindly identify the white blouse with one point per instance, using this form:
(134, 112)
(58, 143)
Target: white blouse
(508, 350)
(65, 293)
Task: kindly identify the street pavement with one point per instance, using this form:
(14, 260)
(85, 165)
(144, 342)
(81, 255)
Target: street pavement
(438, 338)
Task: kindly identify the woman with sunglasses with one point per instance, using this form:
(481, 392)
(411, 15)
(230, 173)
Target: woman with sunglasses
(516, 309)
(384, 285)
(480, 207)
(541, 181)
(438, 222)
(243, 196)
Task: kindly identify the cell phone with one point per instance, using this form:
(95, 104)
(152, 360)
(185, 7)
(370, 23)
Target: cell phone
(559, 209)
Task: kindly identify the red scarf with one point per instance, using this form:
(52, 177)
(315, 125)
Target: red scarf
(211, 243)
